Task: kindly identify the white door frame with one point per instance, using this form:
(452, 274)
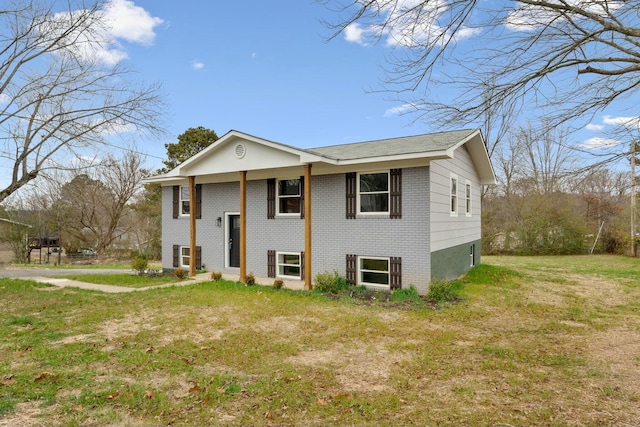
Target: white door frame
(225, 244)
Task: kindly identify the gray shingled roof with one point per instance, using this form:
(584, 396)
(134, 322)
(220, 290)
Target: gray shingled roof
(395, 146)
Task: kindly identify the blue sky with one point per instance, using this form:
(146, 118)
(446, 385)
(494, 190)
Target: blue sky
(264, 68)
(268, 69)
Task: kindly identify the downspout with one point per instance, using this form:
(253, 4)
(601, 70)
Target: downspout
(192, 226)
(307, 227)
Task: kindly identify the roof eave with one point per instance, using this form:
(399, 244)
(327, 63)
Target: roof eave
(434, 155)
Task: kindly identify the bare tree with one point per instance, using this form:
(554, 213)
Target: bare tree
(96, 209)
(567, 57)
(57, 95)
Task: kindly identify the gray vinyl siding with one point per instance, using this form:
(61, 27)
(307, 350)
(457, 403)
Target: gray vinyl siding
(450, 231)
(333, 235)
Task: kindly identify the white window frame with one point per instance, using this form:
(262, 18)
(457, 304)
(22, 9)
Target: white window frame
(467, 198)
(182, 201)
(359, 193)
(453, 194)
(283, 264)
(183, 256)
(278, 197)
(374, 285)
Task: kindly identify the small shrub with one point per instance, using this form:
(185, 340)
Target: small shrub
(406, 294)
(179, 273)
(216, 275)
(441, 291)
(278, 284)
(140, 264)
(250, 280)
(330, 283)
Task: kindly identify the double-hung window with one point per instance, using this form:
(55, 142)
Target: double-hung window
(373, 192)
(184, 201)
(453, 190)
(373, 271)
(288, 264)
(289, 196)
(185, 256)
(468, 198)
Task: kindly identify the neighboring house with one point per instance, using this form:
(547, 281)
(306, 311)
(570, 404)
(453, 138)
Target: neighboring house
(386, 214)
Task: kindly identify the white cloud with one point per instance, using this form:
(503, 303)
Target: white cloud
(399, 110)
(633, 121)
(354, 33)
(598, 143)
(122, 20)
(197, 65)
(593, 126)
(130, 22)
(4, 98)
(407, 23)
(466, 33)
(528, 17)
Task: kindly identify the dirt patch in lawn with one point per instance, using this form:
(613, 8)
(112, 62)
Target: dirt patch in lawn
(357, 370)
(26, 414)
(597, 290)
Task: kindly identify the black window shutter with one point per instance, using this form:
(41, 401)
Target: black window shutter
(176, 256)
(302, 197)
(351, 269)
(351, 194)
(302, 265)
(271, 198)
(176, 201)
(395, 273)
(395, 210)
(198, 257)
(198, 201)
(271, 263)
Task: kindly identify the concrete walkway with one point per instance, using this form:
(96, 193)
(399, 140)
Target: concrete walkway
(202, 277)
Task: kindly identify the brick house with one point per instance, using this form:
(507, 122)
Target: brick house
(386, 214)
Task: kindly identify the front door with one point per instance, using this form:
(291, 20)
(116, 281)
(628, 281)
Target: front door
(233, 244)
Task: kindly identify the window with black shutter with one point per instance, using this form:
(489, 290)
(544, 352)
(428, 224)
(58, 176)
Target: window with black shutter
(271, 198)
(176, 201)
(176, 256)
(271, 263)
(395, 209)
(351, 195)
(198, 201)
(302, 197)
(352, 269)
(395, 273)
(198, 257)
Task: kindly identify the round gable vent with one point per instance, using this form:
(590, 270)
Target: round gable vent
(240, 151)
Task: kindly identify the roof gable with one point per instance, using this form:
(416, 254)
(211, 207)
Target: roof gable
(237, 151)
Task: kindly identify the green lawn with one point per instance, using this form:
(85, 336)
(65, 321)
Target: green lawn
(536, 341)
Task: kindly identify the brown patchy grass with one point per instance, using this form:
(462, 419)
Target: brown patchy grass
(537, 341)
